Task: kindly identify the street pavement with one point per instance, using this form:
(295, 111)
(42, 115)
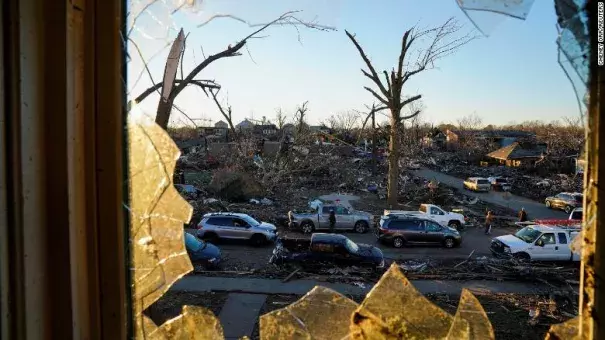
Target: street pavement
(199, 283)
(535, 210)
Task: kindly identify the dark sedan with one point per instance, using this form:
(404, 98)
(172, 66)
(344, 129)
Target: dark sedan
(202, 252)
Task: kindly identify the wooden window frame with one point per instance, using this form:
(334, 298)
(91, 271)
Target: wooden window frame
(63, 226)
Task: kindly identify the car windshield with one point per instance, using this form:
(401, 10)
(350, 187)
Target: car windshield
(578, 198)
(352, 246)
(192, 243)
(252, 221)
(482, 181)
(528, 234)
(500, 180)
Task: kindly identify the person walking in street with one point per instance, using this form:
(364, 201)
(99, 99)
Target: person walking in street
(522, 215)
(332, 219)
(488, 222)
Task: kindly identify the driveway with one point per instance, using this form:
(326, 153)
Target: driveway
(535, 210)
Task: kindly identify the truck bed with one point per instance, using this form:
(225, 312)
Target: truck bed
(295, 244)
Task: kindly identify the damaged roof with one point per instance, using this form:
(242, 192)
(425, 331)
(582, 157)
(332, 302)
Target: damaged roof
(516, 151)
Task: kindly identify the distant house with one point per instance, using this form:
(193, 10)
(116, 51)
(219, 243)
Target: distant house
(244, 125)
(267, 130)
(288, 129)
(221, 125)
(434, 139)
(519, 154)
(501, 137)
(319, 129)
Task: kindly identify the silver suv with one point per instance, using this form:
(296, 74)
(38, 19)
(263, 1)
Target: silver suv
(227, 225)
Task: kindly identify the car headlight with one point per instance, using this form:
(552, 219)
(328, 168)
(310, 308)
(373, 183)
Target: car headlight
(212, 260)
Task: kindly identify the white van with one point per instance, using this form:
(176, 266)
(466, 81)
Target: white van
(539, 243)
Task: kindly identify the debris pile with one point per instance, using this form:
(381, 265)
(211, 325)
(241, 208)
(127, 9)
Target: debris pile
(524, 182)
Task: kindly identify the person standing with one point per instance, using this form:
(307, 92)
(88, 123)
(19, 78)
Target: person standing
(488, 222)
(522, 215)
(332, 220)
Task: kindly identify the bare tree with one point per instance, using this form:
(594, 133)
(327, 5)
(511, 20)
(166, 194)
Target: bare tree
(470, 122)
(280, 118)
(299, 117)
(165, 105)
(390, 94)
(344, 121)
(372, 115)
(226, 112)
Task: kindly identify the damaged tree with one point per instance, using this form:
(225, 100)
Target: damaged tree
(390, 89)
(372, 115)
(299, 117)
(167, 100)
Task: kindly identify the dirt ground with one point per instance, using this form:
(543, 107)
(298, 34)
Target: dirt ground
(508, 313)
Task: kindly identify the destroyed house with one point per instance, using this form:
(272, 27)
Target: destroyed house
(434, 138)
(501, 138)
(519, 154)
(191, 145)
(267, 130)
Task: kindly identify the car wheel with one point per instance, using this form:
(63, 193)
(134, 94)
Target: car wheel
(258, 240)
(449, 242)
(568, 209)
(307, 227)
(361, 227)
(522, 256)
(454, 224)
(548, 204)
(398, 242)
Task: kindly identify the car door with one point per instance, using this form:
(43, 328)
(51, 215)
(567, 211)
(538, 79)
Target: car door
(344, 220)
(240, 229)
(562, 249)
(413, 230)
(559, 200)
(224, 227)
(545, 248)
(438, 215)
(324, 218)
(432, 232)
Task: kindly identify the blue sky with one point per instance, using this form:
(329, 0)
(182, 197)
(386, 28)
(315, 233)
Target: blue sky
(512, 75)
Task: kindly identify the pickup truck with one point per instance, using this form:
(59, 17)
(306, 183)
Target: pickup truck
(538, 242)
(318, 219)
(333, 248)
(435, 213)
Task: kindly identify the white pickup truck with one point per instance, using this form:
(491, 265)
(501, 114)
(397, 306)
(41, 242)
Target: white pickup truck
(538, 242)
(436, 213)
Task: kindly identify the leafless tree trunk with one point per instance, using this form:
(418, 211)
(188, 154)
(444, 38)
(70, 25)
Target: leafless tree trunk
(390, 90)
(372, 115)
(225, 112)
(300, 117)
(166, 104)
(280, 118)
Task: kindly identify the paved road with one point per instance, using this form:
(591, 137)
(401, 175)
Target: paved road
(199, 283)
(534, 209)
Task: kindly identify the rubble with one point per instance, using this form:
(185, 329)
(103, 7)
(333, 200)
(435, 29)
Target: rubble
(524, 183)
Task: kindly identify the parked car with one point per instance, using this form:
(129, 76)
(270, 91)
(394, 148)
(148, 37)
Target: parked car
(317, 218)
(229, 225)
(499, 183)
(477, 184)
(333, 248)
(401, 230)
(577, 214)
(435, 213)
(203, 252)
(565, 201)
(538, 242)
